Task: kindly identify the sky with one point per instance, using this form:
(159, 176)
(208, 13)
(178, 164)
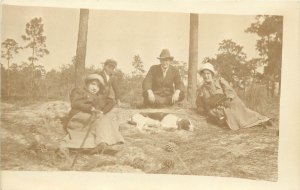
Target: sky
(122, 34)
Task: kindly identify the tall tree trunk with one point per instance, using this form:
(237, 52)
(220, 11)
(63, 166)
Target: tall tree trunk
(81, 47)
(32, 90)
(193, 60)
(8, 79)
(279, 88)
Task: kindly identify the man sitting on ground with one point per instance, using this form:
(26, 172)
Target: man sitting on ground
(162, 85)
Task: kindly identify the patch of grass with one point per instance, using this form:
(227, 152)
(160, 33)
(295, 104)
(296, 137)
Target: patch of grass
(25, 101)
(134, 97)
(256, 98)
(209, 150)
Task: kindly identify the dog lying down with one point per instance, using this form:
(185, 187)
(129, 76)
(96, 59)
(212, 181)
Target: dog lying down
(165, 121)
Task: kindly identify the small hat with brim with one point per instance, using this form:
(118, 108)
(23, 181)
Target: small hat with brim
(165, 54)
(110, 62)
(94, 77)
(207, 66)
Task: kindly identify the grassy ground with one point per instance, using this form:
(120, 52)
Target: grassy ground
(30, 134)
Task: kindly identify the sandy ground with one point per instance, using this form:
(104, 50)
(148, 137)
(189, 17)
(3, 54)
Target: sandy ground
(31, 134)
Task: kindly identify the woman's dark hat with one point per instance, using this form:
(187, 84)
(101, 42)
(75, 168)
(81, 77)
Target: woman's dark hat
(165, 54)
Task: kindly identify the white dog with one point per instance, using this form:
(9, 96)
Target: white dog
(162, 120)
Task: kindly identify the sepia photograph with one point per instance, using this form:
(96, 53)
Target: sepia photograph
(141, 92)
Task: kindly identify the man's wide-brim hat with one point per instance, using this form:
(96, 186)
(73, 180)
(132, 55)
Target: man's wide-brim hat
(207, 66)
(165, 54)
(94, 77)
(110, 62)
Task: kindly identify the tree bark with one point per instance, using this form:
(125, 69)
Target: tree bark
(81, 47)
(193, 60)
(8, 79)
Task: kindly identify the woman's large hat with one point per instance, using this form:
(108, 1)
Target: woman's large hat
(94, 77)
(207, 66)
(165, 54)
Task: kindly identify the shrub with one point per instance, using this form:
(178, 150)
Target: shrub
(256, 98)
(131, 90)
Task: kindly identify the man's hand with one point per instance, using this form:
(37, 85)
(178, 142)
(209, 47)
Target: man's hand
(151, 96)
(118, 102)
(175, 96)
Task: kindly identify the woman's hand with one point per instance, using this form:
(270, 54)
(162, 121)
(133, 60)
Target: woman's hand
(227, 102)
(95, 111)
(98, 113)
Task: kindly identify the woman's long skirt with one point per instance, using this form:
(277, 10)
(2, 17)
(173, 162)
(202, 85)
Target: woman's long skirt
(238, 116)
(104, 129)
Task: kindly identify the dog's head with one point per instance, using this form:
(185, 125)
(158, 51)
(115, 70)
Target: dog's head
(185, 124)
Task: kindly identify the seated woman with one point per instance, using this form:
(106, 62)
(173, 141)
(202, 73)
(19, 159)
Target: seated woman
(219, 101)
(86, 102)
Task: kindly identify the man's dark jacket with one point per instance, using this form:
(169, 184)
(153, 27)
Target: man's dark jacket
(112, 83)
(155, 81)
